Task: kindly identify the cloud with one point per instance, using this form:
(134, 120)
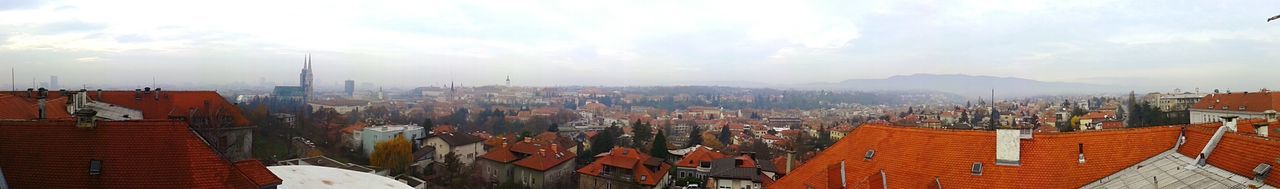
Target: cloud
(69, 26)
(18, 4)
(652, 42)
(88, 59)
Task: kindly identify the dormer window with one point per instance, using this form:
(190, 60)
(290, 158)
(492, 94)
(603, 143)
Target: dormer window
(1225, 107)
(1210, 106)
(1241, 107)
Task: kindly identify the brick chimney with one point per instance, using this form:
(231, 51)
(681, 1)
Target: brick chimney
(555, 148)
(85, 118)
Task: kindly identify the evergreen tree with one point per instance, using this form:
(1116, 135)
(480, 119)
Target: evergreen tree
(554, 128)
(641, 133)
(659, 149)
(725, 136)
(695, 136)
(427, 125)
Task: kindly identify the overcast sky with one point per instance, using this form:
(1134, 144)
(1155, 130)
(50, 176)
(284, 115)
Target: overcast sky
(1178, 43)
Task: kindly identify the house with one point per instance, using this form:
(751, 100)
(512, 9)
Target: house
(531, 163)
(696, 163)
(371, 136)
(741, 172)
(88, 153)
(1244, 105)
(465, 146)
(624, 168)
(550, 167)
(1173, 156)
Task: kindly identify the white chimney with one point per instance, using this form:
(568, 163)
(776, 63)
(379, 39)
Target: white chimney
(1229, 122)
(1270, 115)
(1008, 147)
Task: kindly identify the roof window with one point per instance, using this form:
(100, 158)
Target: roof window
(870, 154)
(95, 167)
(976, 169)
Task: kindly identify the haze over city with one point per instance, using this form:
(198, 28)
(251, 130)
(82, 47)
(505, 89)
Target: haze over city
(1147, 44)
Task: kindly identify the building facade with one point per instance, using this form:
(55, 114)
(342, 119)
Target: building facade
(371, 136)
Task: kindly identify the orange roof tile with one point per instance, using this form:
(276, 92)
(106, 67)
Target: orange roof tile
(1251, 101)
(628, 158)
(258, 173)
(913, 157)
(167, 105)
(697, 156)
(500, 154)
(1237, 153)
(56, 154)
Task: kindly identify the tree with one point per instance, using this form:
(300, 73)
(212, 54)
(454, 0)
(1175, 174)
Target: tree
(395, 154)
(554, 128)
(452, 171)
(428, 125)
(695, 136)
(761, 149)
(641, 133)
(824, 138)
(659, 149)
(725, 136)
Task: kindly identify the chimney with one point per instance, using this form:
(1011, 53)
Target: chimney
(1270, 115)
(555, 148)
(1229, 122)
(41, 95)
(146, 90)
(1008, 147)
(791, 155)
(99, 94)
(1262, 129)
(542, 152)
(137, 94)
(157, 93)
(85, 118)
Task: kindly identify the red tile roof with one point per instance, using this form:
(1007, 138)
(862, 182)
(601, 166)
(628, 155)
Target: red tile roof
(913, 157)
(545, 160)
(697, 156)
(168, 105)
(21, 108)
(501, 154)
(627, 158)
(134, 154)
(258, 173)
(1252, 101)
(1237, 153)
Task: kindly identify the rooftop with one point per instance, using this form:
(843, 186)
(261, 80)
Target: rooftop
(56, 154)
(307, 176)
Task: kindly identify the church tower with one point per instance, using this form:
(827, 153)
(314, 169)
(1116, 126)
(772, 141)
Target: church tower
(305, 79)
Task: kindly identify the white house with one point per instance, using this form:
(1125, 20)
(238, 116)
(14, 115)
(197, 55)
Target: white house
(371, 136)
(467, 147)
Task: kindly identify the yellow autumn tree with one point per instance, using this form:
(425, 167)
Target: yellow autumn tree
(395, 154)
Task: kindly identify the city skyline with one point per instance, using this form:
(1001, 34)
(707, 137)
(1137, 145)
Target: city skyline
(567, 43)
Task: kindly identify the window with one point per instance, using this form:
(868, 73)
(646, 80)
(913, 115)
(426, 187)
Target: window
(976, 169)
(869, 155)
(95, 167)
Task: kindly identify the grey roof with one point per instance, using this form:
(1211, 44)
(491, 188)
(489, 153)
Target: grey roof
(727, 168)
(1171, 170)
(425, 153)
(457, 139)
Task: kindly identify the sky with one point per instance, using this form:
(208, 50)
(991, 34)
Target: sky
(1169, 44)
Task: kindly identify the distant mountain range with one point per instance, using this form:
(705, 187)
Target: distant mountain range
(966, 85)
(969, 86)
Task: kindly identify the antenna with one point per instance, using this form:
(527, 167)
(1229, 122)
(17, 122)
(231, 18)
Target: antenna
(13, 80)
